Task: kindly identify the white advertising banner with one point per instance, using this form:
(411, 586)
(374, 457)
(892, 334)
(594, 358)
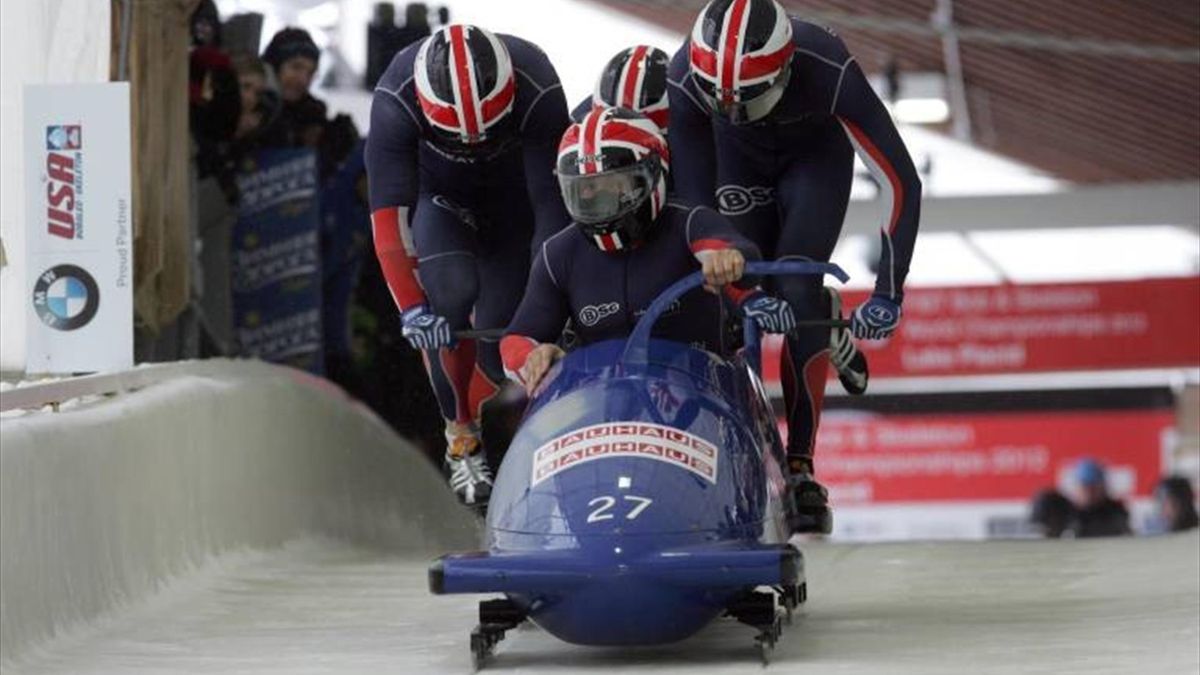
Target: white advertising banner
(79, 228)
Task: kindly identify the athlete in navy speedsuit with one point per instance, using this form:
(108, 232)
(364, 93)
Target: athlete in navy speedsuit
(628, 243)
(464, 131)
(766, 113)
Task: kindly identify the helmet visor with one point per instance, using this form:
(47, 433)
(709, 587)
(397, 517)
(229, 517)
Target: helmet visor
(604, 197)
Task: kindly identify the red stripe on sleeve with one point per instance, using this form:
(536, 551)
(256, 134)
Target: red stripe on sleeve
(884, 165)
(738, 295)
(514, 351)
(701, 245)
(398, 264)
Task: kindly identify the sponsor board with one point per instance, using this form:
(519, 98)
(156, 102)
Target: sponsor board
(79, 228)
(1149, 323)
(276, 260)
(626, 439)
(920, 459)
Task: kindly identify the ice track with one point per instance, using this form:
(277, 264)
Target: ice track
(317, 606)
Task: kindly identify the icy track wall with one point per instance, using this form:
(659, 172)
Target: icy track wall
(102, 503)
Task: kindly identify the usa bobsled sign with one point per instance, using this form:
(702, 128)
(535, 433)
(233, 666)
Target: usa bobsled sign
(79, 228)
(870, 459)
(1150, 323)
(633, 439)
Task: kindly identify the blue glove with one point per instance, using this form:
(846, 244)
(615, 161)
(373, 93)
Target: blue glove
(425, 330)
(875, 319)
(772, 314)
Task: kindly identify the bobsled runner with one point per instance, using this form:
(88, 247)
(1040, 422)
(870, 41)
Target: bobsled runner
(642, 497)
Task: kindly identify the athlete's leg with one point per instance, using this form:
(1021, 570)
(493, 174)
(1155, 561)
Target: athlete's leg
(503, 267)
(813, 195)
(447, 252)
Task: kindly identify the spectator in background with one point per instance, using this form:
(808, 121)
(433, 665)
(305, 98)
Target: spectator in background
(260, 100)
(443, 14)
(294, 57)
(416, 25)
(1052, 513)
(1175, 502)
(206, 25)
(214, 106)
(1097, 514)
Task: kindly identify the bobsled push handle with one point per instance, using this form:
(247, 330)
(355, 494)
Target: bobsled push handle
(637, 348)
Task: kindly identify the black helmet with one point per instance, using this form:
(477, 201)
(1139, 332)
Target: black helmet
(612, 169)
(636, 78)
(740, 52)
(466, 87)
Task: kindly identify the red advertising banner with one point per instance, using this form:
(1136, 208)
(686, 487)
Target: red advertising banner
(1150, 323)
(865, 458)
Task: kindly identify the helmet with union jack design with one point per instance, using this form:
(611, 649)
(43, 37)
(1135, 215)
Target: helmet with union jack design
(740, 55)
(612, 169)
(465, 85)
(636, 78)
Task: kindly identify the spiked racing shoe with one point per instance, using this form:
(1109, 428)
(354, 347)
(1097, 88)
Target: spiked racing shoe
(810, 512)
(847, 360)
(468, 471)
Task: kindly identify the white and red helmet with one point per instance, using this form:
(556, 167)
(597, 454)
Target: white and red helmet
(636, 78)
(740, 54)
(612, 170)
(465, 84)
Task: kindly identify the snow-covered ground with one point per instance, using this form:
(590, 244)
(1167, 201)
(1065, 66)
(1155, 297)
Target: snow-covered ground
(1098, 606)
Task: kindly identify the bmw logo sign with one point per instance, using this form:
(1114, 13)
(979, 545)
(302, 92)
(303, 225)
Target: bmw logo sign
(66, 297)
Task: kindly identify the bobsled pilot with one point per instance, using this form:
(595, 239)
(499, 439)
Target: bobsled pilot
(464, 132)
(635, 79)
(629, 241)
(766, 114)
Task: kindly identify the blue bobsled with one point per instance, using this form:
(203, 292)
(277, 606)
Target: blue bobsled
(641, 498)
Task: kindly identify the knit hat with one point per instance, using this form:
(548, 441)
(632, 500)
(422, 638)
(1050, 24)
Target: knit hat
(290, 43)
(1089, 472)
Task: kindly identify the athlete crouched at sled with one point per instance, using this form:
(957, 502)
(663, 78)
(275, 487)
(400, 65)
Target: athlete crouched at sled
(629, 242)
(464, 131)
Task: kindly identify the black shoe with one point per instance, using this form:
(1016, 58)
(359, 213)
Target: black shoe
(810, 512)
(847, 360)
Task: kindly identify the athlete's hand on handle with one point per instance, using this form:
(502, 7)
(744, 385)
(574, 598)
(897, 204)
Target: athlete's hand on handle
(538, 363)
(773, 315)
(424, 329)
(720, 267)
(875, 319)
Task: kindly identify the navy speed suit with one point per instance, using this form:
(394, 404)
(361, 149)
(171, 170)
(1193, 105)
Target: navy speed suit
(464, 224)
(605, 293)
(785, 182)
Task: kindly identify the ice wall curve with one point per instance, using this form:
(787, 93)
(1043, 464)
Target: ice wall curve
(102, 503)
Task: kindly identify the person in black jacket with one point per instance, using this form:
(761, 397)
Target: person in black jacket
(1176, 504)
(1097, 514)
(1051, 513)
